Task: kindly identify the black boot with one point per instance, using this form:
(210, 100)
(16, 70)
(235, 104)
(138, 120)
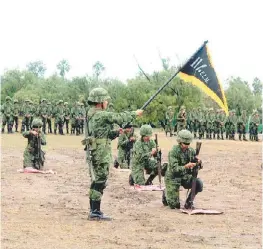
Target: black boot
(95, 213)
(239, 136)
(222, 136)
(3, 129)
(67, 130)
(55, 131)
(164, 201)
(116, 164)
(194, 135)
(16, 128)
(131, 181)
(244, 138)
(189, 204)
(150, 180)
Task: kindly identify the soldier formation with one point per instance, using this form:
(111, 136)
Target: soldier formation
(60, 114)
(211, 124)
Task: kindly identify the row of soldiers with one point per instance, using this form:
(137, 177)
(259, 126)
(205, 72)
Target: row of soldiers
(62, 114)
(211, 124)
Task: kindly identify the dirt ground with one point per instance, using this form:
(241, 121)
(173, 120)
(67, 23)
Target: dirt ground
(50, 211)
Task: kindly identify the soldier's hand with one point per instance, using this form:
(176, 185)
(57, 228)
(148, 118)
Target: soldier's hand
(154, 151)
(190, 165)
(35, 133)
(132, 138)
(139, 112)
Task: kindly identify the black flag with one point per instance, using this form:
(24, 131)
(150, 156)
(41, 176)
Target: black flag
(200, 71)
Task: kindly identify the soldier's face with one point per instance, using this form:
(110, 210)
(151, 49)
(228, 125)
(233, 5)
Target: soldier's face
(128, 129)
(185, 146)
(146, 138)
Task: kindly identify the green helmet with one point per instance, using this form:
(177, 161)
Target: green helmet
(146, 130)
(182, 107)
(37, 123)
(184, 136)
(15, 101)
(60, 101)
(170, 107)
(43, 100)
(7, 98)
(82, 104)
(65, 103)
(48, 103)
(98, 95)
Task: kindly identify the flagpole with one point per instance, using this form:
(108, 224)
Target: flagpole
(169, 80)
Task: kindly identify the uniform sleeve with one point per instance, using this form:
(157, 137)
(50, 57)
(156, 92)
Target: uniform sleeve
(119, 118)
(26, 134)
(123, 140)
(139, 154)
(173, 166)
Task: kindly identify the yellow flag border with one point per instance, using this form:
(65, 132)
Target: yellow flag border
(192, 79)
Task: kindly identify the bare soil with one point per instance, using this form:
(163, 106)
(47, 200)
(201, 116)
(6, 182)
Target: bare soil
(50, 211)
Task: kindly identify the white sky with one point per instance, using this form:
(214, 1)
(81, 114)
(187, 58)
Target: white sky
(112, 31)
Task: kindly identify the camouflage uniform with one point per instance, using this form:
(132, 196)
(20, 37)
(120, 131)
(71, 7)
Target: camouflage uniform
(195, 122)
(82, 117)
(33, 155)
(42, 113)
(241, 125)
(125, 145)
(67, 115)
(16, 114)
(169, 117)
(202, 123)
(75, 118)
(99, 146)
(210, 123)
(230, 123)
(181, 119)
(177, 175)
(33, 111)
(7, 110)
(59, 118)
(142, 158)
(26, 113)
(253, 126)
(49, 117)
(221, 120)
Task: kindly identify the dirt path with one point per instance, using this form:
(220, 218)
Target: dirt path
(50, 211)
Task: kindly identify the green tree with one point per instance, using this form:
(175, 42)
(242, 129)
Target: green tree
(257, 86)
(38, 68)
(63, 67)
(98, 68)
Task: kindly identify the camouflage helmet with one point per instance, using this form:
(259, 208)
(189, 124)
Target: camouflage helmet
(98, 95)
(184, 136)
(43, 100)
(170, 107)
(7, 98)
(110, 104)
(65, 103)
(81, 104)
(37, 123)
(15, 101)
(48, 103)
(26, 100)
(60, 101)
(182, 107)
(146, 130)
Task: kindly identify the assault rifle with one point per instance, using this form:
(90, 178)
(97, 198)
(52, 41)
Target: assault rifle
(195, 172)
(159, 161)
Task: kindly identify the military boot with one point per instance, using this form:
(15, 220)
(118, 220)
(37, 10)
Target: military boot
(244, 137)
(218, 137)
(55, 131)
(164, 201)
(95, 213)
(150, 180)
(3, 129)
(67, 130)
(194, 135)
(16, 128)
(189, 204)
(116, 164)
(239, 136)
(131, 181)
(222, 136)
(256, 138)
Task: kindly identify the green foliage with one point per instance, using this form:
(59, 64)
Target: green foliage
(38, 68)
(63, 67)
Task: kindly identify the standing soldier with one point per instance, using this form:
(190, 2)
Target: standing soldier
(241, 125)
(179, 173)
(98, 145)
(7, 111)
(195, 121)
(33, 111)
(26, 113)
(49, 117)
(67, 115)
(181, 119)
(169, 116)
(144, 158)
(16, 114)
(210, 119)
(43, 114)
(82, 117)
(59, 117)
(221, 119)
(190, 121)
(74, 115)
(202, 122)
(253, 126)
(125, 145)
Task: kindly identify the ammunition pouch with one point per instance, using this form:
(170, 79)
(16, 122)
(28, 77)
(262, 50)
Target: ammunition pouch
(92, 142)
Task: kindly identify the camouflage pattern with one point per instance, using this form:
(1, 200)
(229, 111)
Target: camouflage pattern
(7, 110)
(169, 117)
(143, 160)
(201, 122)
(42, 113)
(210, 123)
(82, 115)
(181, 119)
(32, 157)
(26, 113)
(49, 116)
(241, 125)
(253, 126)
(75, 118)
(99, 126)
(67, 114)
(59, 117)
(16, 113)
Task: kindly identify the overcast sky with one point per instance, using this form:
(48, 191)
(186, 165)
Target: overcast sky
(113, 31)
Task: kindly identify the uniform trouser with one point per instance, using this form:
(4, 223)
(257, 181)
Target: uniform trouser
(138, 171)
(26, 124)
(81, 126)
(122, 158)
(253, 131)
(241, 130)
(44, 121)
(58, 123)
(169, 128)
(180, 126)
(49, 125)
(99, 171)
(230, 130)
(15, 121)
(172, 187)
(66, 121)
(7, 120)
(201, 130)
(209, 130)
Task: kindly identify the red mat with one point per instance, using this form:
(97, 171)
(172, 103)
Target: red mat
(32, 170)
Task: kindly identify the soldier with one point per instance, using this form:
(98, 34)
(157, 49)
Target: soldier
(241, 125)
(169, 117)
(125, 145)
(195, 121)
(33, 155)
(210, 119)
(7, 111)
(26, 113)
(16, 114)
(33, 112)
(253, 126)
(144, 158)
(96, 139)
(42, 113)
(201, 122)
(49, 117)
(179, 171)
(67, 115)
(221, 120)
(74, 115)
(82, 117)
(181, 119)
(59, 117)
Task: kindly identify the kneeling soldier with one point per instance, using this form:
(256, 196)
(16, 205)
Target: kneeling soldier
(179, 173)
